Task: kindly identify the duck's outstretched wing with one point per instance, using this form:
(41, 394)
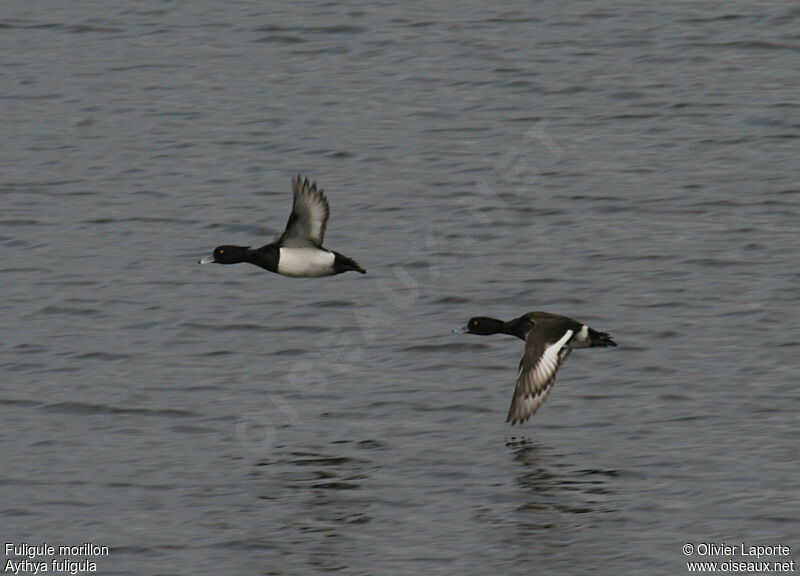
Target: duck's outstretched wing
(537, 374)
(310, 211)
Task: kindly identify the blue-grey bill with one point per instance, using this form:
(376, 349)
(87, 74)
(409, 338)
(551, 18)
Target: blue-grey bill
(462, 330)
(206, 260)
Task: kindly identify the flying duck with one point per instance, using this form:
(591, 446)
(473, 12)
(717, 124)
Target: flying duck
(549, 338)
(298, 252)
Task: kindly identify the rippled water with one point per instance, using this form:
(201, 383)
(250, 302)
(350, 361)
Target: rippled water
(632, 166)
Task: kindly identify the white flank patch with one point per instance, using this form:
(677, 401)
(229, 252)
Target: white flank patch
(548, 363)
(582, 338)
(300, 262)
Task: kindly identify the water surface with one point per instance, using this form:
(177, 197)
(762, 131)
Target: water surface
(634, 167)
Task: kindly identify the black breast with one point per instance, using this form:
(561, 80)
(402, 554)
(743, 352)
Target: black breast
(266, 257)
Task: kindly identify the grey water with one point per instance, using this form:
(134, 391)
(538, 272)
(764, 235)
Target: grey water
(632, 165)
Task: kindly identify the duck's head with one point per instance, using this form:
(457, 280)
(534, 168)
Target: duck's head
(226, 255)
(482, 326)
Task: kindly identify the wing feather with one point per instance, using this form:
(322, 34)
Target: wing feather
(537, 374)
(310, 211)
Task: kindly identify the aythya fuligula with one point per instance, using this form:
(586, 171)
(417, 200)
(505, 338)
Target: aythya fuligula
(298, 252)
(549, 338)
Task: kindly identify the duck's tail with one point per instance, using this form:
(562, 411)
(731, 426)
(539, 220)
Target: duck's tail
(600, 338)
(344, 264)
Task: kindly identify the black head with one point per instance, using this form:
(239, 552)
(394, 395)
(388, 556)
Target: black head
(226, 255)
(483, 326)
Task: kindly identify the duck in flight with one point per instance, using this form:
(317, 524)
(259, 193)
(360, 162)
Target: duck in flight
(549, 339)
(298, 252)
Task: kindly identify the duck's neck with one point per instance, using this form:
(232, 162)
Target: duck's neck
(518, 327)
(267, 257)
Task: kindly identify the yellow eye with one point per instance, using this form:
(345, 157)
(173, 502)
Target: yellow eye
(222, 251)
(474, 322)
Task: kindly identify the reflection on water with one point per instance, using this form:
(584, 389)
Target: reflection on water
(556, 488)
